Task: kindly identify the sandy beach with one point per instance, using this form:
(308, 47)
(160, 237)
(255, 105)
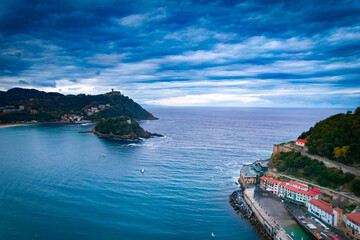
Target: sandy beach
(13, 125)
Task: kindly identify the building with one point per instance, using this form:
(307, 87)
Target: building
(325, 211)
(292, 191)
(300, 142)
(248, 175)
(260, 166)
(298, 195)
(281, 189)
(269, 184)
(9, 109)
(352, 223)
(113, 92)
(299, 185)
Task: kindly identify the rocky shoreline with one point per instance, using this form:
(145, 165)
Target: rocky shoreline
(237, 201)
(127, 138)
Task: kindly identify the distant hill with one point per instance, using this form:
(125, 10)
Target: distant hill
(337, 138)
(20, 104)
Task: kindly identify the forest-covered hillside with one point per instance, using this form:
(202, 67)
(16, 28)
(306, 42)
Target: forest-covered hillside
(20, 104)
(337, 138)
(122, 128)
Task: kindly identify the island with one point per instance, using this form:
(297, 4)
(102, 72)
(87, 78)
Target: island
(123, 129)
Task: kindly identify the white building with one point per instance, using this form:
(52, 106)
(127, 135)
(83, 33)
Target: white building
(281, 189)
(300, 196)
(300, 142)
(292, 191)
(325, 211)
(269, 184)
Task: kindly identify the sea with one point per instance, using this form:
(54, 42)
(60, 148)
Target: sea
(57, 183)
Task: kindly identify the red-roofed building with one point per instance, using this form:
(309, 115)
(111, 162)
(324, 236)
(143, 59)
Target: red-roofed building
(301, 142)
(269, 184)
(281, 188)
(298, 195)
(325, 211)
(352, 223)
(315, 190)
(299, 185)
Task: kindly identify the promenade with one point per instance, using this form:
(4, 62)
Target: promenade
(271, 226)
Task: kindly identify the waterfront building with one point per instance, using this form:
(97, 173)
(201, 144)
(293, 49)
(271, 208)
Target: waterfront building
(299, 196)
(281, 189)
(300, 142)
(269, 184)
(352, 223)
(325, 211)
(248, 175)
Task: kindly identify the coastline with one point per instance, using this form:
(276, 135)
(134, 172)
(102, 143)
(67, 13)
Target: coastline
(15, 125)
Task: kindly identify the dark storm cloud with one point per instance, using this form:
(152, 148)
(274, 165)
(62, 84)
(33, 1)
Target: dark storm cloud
(181, 48)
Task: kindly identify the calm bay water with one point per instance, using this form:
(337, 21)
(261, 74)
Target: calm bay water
(55, 185)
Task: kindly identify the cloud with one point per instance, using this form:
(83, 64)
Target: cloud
(136, 20)
(214, 53)
(202, 99)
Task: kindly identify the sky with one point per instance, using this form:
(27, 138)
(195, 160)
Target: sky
(186, 53)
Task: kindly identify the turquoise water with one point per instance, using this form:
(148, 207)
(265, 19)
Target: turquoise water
(299, 234)
(54, 185)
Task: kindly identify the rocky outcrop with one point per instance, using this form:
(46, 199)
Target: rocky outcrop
(129, 137)
(237, 201)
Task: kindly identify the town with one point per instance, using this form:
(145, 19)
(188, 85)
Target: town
(279, 202)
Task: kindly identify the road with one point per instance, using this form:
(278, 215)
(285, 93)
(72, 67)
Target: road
(315, 185)
(327, 162)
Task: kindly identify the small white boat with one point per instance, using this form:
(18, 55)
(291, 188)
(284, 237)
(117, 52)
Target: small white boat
(142, 170)
(212, 235)
(292, 234)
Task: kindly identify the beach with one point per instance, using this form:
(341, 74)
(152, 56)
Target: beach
(14, 125)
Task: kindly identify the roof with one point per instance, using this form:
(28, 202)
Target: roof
(354, 217)
(299, 184)
(295, 189)
(338, 209)
(315, 190)
(283, 183)
(301, 140)
(257, 168)
(270, 180)
(263, 164)
(326, 207)
(247, 171)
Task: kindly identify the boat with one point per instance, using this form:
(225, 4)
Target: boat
(142, 170)
(212, 235)
(292, 234)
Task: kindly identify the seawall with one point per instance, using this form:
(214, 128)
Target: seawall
(265, 225)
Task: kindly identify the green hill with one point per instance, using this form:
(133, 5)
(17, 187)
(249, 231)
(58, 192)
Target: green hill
(337, 138)
(123, 128)
(51, 107)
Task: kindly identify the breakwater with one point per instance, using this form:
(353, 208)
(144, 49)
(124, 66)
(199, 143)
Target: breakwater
(238, 202)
